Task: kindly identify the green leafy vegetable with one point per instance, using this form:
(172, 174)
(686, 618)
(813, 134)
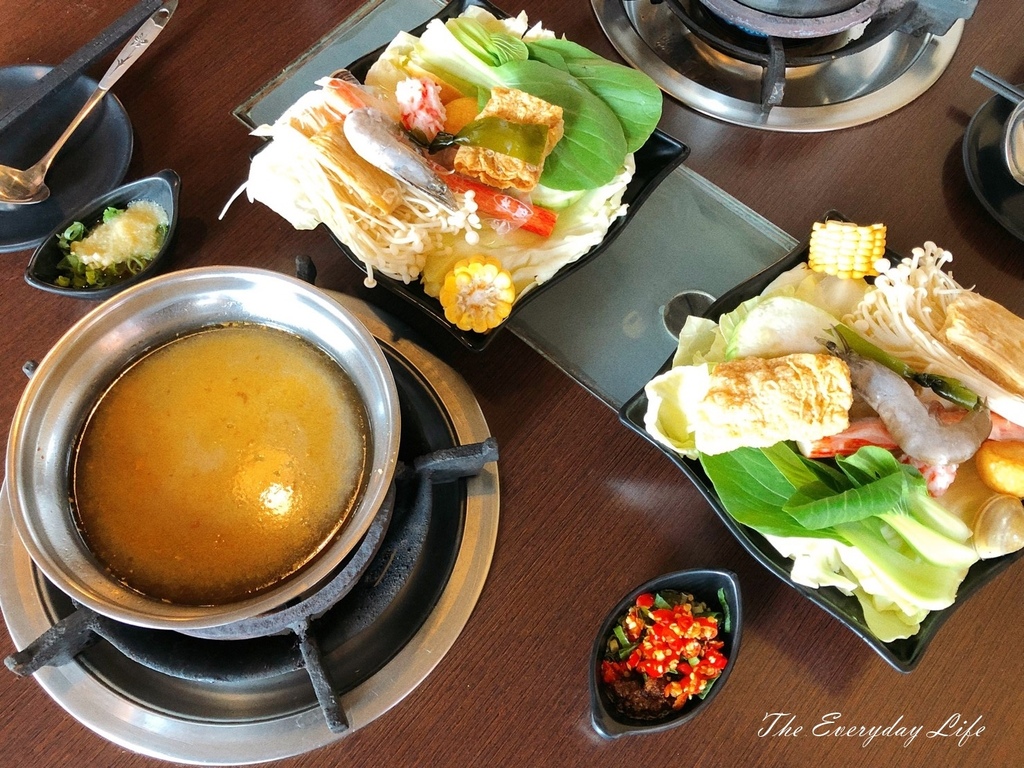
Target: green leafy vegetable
(867, 526)
(593, 148)
(753, 491)
(629, 93)
(493, 47)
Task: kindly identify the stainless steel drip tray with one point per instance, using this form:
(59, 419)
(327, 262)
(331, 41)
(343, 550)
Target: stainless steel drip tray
(848, 91)
(262, 718)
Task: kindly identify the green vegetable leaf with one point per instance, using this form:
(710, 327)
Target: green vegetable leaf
(869, 482)
(816, 506)
(593, 148)
(801, 471)
(872, 463)
(634, 98)
(548, 55)
(753, 490)
(111, 213)
(493, 47)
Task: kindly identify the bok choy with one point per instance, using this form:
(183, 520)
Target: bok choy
(866, 526)
(609, 109)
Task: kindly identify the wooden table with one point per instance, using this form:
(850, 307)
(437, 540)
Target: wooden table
(589, 510)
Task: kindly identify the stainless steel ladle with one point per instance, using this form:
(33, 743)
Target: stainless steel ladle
(1013, 130)
(28, 186)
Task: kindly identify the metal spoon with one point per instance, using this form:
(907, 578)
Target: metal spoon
(1013, 131)
(24, 187)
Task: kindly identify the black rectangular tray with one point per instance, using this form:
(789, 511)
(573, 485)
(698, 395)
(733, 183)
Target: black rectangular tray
(658, 157)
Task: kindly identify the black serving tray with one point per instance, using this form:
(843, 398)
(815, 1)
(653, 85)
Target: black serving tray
(904, 655)
(658, 157)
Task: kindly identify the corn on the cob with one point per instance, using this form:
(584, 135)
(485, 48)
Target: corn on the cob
(477, 294)
(845, 249)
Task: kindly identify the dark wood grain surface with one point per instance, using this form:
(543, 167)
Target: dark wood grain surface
(588, 509)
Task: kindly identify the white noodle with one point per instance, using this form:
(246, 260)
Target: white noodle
(296, 177)
(904, 314)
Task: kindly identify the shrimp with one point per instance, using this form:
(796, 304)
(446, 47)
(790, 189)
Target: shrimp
(375, 135)
(914, 429)
(379, 141)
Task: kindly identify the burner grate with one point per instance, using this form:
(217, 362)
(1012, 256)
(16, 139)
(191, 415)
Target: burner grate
(778, 43)
(794, 85)
(779, 19)
(213, 655)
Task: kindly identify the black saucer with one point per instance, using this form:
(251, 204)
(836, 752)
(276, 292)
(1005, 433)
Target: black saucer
(986, 169)
(94, 160)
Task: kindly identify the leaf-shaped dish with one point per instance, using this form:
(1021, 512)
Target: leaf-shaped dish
(654, 161)
(903, 655)
(161, 188)
(705, 585)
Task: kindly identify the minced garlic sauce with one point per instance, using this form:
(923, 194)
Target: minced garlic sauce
(136, 232)
(220, 463)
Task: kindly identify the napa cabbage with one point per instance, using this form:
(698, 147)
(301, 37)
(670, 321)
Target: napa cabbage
(866, 526)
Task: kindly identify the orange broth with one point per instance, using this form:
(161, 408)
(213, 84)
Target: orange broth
(219, 464)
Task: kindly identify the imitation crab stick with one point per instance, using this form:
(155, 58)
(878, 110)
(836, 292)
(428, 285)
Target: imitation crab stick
(492, 202)
(871, 431)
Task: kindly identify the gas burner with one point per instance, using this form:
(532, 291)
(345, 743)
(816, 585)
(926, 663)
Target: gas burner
(799, 18)
(294, 636)
(302, 677)
(765, 64)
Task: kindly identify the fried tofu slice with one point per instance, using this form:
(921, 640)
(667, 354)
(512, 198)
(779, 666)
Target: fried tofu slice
(989, 337)
(500, 170)
(757, 402)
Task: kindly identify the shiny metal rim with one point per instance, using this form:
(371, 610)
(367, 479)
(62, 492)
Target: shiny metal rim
(935, 54)
(118, 717)
(96, 349)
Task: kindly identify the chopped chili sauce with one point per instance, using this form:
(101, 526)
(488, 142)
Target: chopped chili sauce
(663, 651)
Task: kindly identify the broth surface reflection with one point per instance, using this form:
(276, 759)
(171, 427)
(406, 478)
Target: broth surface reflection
(219, 464)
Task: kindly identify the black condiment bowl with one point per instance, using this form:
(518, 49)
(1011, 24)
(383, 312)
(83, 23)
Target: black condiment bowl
(704, 585)
(161, 188)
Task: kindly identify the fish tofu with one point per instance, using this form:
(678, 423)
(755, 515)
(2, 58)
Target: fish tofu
(500, 170)
(757, 402)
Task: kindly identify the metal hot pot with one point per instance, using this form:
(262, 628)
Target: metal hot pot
(86, 360)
